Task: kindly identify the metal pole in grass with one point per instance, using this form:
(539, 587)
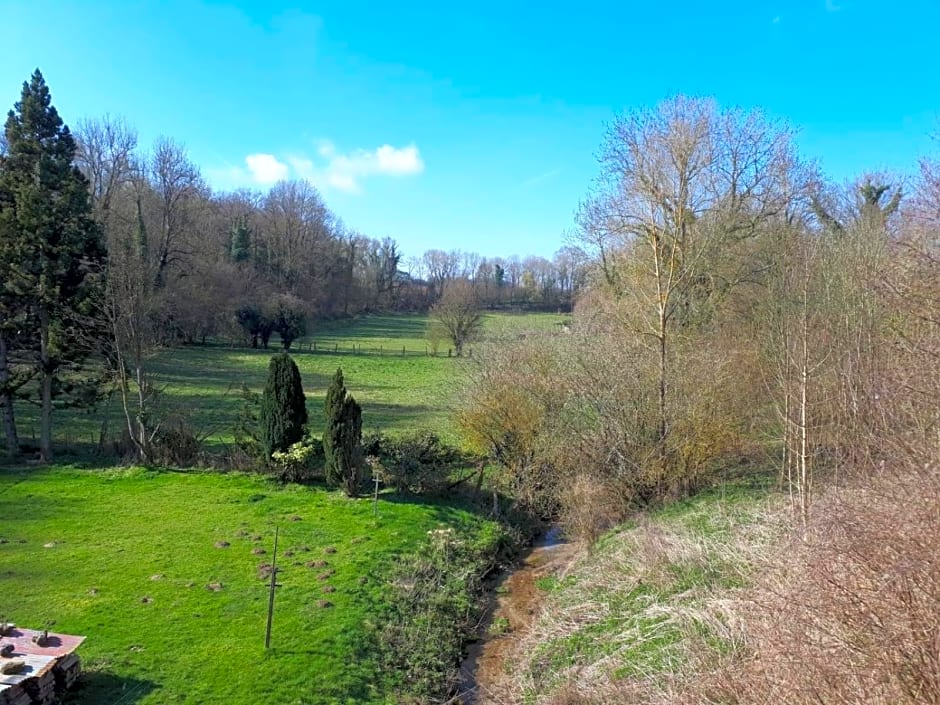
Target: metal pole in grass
(375, 497)
(267, 633)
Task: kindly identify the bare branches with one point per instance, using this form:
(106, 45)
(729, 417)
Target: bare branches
(177, 186)
(105, 155)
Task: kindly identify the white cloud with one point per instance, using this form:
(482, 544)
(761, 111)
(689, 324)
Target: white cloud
(259, 170)
(329, 168)
(266, 169)
(345, 172)
(399, 161)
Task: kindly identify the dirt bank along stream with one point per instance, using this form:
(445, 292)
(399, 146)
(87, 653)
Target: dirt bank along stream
(514, 604)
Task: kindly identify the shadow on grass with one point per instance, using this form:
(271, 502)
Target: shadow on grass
(104, 688)
(482, 502)
(374, 326)
(83, 455)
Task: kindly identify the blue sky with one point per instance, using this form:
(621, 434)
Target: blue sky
(473, 125)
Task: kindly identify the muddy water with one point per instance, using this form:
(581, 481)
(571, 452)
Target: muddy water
(514, 604)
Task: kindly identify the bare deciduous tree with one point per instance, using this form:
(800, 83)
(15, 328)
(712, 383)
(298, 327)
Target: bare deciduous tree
(676, 183)
(106, 157)
(178, 187)
(458, 314)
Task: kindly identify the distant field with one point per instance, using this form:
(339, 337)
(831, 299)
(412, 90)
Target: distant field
(398, 393)
(125, 557)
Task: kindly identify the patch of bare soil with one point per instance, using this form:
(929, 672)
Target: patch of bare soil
(516, 604)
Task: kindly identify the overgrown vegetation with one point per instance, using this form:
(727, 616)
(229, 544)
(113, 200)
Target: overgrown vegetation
(437, 600)
(743, 315)
(418, 462)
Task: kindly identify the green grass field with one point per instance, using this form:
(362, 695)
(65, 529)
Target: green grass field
(398, 393)
(126, 556)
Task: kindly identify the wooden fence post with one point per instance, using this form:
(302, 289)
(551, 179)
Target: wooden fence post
(267, 633)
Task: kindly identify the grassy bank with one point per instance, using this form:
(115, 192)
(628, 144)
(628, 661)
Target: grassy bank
(628, 618)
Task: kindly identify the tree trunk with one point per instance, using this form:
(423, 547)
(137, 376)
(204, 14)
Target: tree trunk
(6, 403)
(143, 429)
(45, 362)
(662, 388)
(805, 467)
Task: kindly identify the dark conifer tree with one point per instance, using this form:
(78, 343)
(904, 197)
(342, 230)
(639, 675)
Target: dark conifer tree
(51, 250)
(342, 438)
(241, 242)
(332, 407)
(283, 406)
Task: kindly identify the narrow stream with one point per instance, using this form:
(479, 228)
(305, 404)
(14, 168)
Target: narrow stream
(513, 604)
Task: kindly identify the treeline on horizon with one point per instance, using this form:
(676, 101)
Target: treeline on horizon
(215, 259)
(112, 249)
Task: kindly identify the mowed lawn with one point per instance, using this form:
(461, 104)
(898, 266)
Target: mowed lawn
(202, 384)
(162, 571)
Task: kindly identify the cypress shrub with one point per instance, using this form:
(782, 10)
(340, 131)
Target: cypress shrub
(283, 408)
(342, 438)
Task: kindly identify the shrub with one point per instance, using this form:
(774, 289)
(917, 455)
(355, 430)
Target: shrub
(436, 603)
(302, 462)
(283, 411)
(419, 462)
(590, 505)
(247, 429)
(176, 444)
(290, 321)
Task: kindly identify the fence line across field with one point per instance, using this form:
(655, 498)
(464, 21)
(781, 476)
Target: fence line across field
(362, 349)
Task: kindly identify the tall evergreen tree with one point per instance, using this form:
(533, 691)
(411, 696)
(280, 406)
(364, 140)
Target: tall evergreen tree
(283, 406)
(51, 249)
(342, 438)
(241, 241)
(332, 406)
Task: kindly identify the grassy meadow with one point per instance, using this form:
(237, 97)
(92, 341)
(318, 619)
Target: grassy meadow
(398, 392)
(164, 573)
(163, 570)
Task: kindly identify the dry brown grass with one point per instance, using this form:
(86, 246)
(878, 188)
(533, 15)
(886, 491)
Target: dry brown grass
(589, 506)
(627, 620)
(850, 613)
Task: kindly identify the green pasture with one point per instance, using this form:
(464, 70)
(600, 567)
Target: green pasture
(137, 561)
(399, 392)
